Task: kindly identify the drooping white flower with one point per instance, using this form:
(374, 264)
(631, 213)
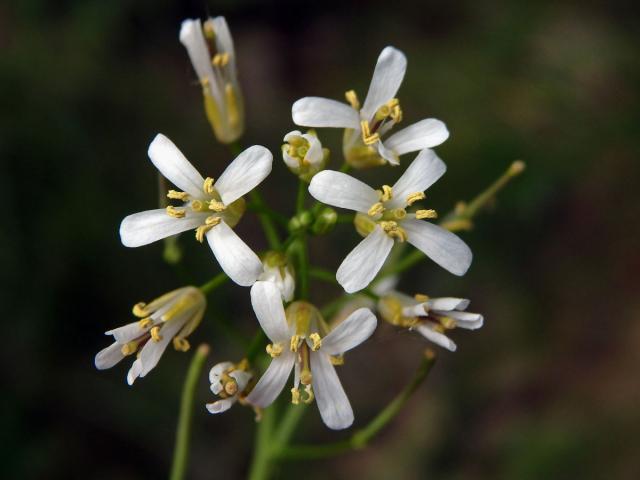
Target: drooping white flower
(382, 218)
(210, 48)
(432, 317)
(367, 125)
(279, 271)
(297, 344)
(211, 208)
(171, 317)
(303, 153)
(228, 380)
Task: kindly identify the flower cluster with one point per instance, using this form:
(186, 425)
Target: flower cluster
(392, 216)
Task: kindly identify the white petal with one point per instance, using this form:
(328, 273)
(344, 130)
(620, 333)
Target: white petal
(273, 380)
(192, 38)
(438, 338)
(126, 333)
(333, 403)
(134, 371)
(323, 112)
(468, 320)
(292, 135)
(440, 245)
(221, 405)
(266, 301)
(387, 77)
(108, 357)
(426, 133)
(385, 285)
(153, 225)
(152, 351)
(217, 370)
(223, 38)
(423, 172)
(290, 161)
(244, 173)
(447, 303)
(242, 378)
(314, 154)
(174, 166)
(216, 388)
(351, 332)
(342, 190)
(364, 262)
(388, 154)
(234, 256)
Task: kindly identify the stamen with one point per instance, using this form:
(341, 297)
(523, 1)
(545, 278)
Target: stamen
(181, 344)
(155, 334)
(295, 396)
(305, 371)
(415, 197)
(175, 195)
(393, 230)
(317, 341)
(420, 297)
(447, 322)
(309, 391)
(387, 193)
(274, 349)
(139, 311)
(129, 348)
(175, 212)
(383, 112)
(220, 59)
(231, 387)
(376, 209)
(421, 214)
(398, 213)
(217, 206)
(367, 137)
(210, 222)
(352, 98)
(233, 109)
(145, 323)
(395, 110)
(208, 185)
(199, 206)
(209, 32)
(295, 343)
(336, 359)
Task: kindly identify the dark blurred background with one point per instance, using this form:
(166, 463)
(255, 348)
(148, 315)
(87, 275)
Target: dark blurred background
(547, 389)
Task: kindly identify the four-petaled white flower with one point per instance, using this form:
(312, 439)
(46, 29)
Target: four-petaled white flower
(383, 217)
(212, 208)
(303, 153)
(228, 380)
(297, 344)
(429, 316)
(380, 112)
(217, 74)
(171, 317)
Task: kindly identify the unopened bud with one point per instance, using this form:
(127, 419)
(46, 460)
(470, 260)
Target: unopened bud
(325, 221)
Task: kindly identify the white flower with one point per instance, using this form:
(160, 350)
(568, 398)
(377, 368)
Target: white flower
(383, 217)
(280, 272)
(429, 316)
(363, 144)
(211, 208)
(303, 153)
(210, 48)
(228, 380)
(172, 317)
(297, 345)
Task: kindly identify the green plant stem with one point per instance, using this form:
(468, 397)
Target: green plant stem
(322, 274)
(275, 216)
(214, 283)
(361, 438)
(303, 266)
(256, 346)
(345, 218)
(288, 423)
(262, 459)
(181, 449)
(301, 197)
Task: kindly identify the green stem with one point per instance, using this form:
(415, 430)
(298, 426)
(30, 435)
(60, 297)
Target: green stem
(181, 449)
(361, 438)
(345, 218)
(289, 423)
(268, 226)
(301, 197)
(256, 346)
(322, 274)
(261, 463)
(303, 266)
(275, 216)
(214, 283)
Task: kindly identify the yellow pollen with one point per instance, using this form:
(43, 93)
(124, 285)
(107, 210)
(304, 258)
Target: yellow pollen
(393, 103)
(220, 59)
(231, 387)
(394, 231)
(155, 334)
(175, 212)
(210, 222)
(139, 311)
(398, 213)
(213, 220)
(367, 137)
(336, 359)
(274, 349)
(309, 391)
(376, 209)
(145, 323)
(447, 322)
(295, 396)
(383, 112)
(420, 297)
(175, 195)
(209, 32)
(387, 193)
(181, 344)
(208, 185)
(421, 214)
(317, 341)
(415, 197)
(295, 343)
(217, 206)
(352, 98)
(129, 348)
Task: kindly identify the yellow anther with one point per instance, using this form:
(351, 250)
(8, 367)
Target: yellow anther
(209, 32)
(421, 214)
(212, 220)
(306, 377)
(175, 212)
(309, 391)
(139, 311)
(352, 98)
(376, 209)
(217, 206)
(155, 334)
(234, 106)
(243, 365)
(420, 297)
(129, 348)
(336, 359)
(398, 213)
(393, 103)
(409, 322)
(181, 344)
(387, 193)
(438, 328)
(175, 195)
(393, 230)
(199, 206)
(295, 396)
(208, 185)
(415, 197)
(231, 387)
(367, 137)
(295, 343)
(317, 341)
(447, 322)
(274, 349)
(220, 59)
(145, 323)
(383, 112)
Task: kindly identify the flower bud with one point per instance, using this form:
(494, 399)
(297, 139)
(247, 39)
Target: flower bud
(325, 221)
(279, 271)
(303, 154)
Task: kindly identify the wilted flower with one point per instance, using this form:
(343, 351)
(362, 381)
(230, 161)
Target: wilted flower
(228, 381)
(171, 317)
(365, 127)
(210, 48)
(303, 154)
(383, 218)
(279, 271)
(211, 208)
(299, 343)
